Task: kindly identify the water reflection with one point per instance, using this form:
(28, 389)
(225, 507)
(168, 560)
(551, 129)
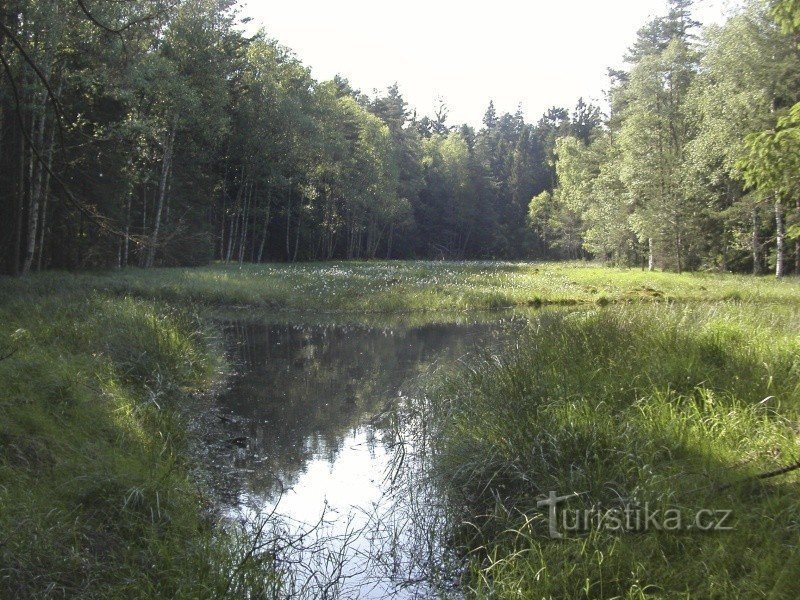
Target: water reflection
(313, 421)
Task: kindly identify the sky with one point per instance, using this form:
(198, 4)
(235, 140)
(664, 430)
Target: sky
(534, 54)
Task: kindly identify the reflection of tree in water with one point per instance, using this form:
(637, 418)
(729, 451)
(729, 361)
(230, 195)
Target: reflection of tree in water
(301, 389)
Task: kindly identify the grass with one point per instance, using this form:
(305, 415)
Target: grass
(95, 500)
(653, 397)
(414, 287)
(676, 407)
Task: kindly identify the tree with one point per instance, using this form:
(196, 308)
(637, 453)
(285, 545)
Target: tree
(748, 71)
(653, 137)
(771, 166)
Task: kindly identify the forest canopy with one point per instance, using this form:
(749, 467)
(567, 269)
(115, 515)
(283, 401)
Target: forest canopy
(163, 132)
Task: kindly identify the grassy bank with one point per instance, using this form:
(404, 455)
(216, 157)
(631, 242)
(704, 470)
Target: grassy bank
(401, 287)
(94, 495)
(644, 399)
(676, 407)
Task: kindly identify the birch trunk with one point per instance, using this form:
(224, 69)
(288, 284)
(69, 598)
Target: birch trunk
(16, 257)
(127, 238)
(51, 144)
(797, 244)
(288, 223)
(297, 235)
(245, 216)
(266, 226)
(234, 220)
(166, 165)
(389, 242)
(142, 255)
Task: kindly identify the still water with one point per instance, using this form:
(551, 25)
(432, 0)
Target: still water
(325, 439)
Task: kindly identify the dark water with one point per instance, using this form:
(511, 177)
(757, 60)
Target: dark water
(327, 428)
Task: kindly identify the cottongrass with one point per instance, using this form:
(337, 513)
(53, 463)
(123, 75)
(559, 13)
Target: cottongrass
(392, 287)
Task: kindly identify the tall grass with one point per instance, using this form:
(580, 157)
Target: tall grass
(660, 402)
(674, 407)
(95, 500)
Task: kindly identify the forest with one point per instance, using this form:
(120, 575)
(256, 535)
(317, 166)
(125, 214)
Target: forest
(161, 132)
(266, 336)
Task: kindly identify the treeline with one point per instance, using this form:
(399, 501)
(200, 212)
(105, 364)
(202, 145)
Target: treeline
(698, 164)
(159, 133)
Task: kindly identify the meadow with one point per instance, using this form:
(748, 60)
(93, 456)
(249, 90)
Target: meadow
(669, 389)
(391, 287)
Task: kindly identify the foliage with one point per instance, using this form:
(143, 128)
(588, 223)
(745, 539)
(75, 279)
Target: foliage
(182, 138)
(773, 157)
(692, 125)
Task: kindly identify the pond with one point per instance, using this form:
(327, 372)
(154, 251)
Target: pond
(324, 442)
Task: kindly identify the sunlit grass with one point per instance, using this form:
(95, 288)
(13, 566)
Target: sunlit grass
(662, 404)
(414, 286)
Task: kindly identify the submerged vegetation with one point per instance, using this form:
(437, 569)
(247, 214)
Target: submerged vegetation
(662, 406)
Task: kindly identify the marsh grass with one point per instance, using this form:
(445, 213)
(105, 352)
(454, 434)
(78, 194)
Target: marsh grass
(660, 396)
(95, 500)
(659, 404)
(414, 287)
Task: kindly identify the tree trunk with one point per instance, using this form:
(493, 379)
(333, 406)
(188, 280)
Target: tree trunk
(297, 235)
(166, 165)
(757, 258)
(222, 220)
(389, 242)
(42, 228)
(46, 192)
(127, 239)
(266, 227)
(224, 195)
(245, 215)
(17, 253)
(797, 242)
(37, 182)
(288, 222)
(142, 254)
(780, 237)
(651, 263)
(234, 220)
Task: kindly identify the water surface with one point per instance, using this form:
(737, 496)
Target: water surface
(325, 439)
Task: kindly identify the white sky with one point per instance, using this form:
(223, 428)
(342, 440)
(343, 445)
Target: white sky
(537, 53)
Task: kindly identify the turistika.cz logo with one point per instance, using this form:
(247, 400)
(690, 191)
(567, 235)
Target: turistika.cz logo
(564, 521)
